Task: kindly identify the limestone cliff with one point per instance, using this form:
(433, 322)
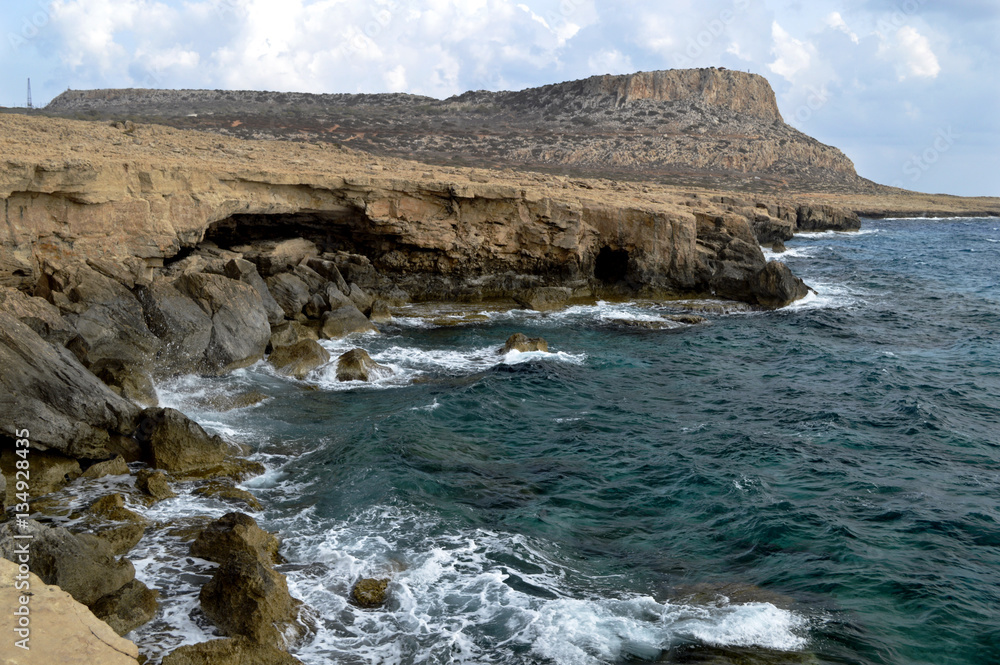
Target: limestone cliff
(134, 197)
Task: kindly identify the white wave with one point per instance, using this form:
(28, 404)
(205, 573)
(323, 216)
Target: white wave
(827, 296)
(811, 235)
(790, 252)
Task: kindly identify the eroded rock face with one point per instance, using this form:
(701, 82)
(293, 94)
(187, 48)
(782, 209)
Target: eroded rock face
(63, 630)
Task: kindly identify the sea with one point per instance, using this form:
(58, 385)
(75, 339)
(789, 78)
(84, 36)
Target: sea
(818, 484)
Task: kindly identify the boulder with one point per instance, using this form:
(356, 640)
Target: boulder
(360, 298)
(357, 365)
(524, 344)
(778, 247)
(82, 565)
(128, 608)
(316, 306)
(38, 314)
(299, 359)
(154, 484)
(63, 630)
(240, 329)
(232, 533)
(230, 651)
(328, 271)
(312, 279)
(370, 592)
(380, 312)
(184, 327)
(290, 332)
(49, 472)
(122, 538)
(126, 380)
(173, 442)
(776, 286)
(45, 389)
(115, 466)
(344, 319)
(230, 494)
(228, 401)
(246, 272)
(246, 597)
(275, 257)
(112, 507)
(544, 298)
(291, 293)
(769, 230)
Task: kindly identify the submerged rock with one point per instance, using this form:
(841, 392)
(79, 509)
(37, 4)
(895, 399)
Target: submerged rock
(357, 365)
(154, 484)
(232, 533)
(230, 651)
(369, 592)
(299, 359)
(112, 507)
(524, 344)
(230, 494)
(115, 466)
(128, 608)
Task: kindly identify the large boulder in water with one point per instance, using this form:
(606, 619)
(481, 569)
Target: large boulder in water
(369, 592)
(232, 533)
(776, 286)
(343, 319)
(230, 651)
(524, 344)
(544, 298)
(184, 327)
(299, 359)
(173, 442)
(246, 597)
(83, 565)
(44, 389)
(357, 365)
(128, 608)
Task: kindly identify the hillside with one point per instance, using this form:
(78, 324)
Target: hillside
(702, 127)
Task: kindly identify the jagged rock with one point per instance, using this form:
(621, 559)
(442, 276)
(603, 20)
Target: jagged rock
(357, 365)
(46, 390)
(184, 327)
(544, 298)
(291, 293)
(62, 630)
(112, 507)
(299, 359)
(49, 472)
(126, 380)
(687, 319)
(235, 532)
(291, 332)
(128, 608)
(344, 319)
(328, 270)
(175, 443)
(230, 494)
(240, 330)
(312, 279)
(115, 466)
(380, 312)
(230, 651)
(246, 272)
(38, 314)
(826, 218)
(277, 257)
(776, 286)
(154, 484)
(122, 538)
(524, 344)
(316, 306)
(769, 230)
(246, 597)
(82, 565)
(361, 299)
(369, 593)
(778, 247)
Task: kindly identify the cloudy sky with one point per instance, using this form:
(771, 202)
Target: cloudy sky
(907, 88)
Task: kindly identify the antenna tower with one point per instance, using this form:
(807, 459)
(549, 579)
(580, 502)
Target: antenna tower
(29, 95)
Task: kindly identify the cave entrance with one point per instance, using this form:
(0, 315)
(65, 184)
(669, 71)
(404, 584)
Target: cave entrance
(346, 229)
(611, 265)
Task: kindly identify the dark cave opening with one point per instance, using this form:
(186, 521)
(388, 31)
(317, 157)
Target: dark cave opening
(611, 265)
(337, 230)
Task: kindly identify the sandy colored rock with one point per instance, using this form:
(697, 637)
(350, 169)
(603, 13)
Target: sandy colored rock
(230, 494)
(230, 651)
(357, 365)
(122, 538)
(369, 593)
(291, 332)
(115, 466)
(380, 312)
(344, 319)
(128, 608)
(235, 532)
(49, 472)
(524, 344)
(112, 507)
(63, 630)
(544, 298)
(154, 484)
(173, 442)
(299, 359)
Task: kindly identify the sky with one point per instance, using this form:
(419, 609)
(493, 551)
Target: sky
(908, 89)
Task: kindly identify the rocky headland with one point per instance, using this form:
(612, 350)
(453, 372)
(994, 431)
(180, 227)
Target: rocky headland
(134, 252)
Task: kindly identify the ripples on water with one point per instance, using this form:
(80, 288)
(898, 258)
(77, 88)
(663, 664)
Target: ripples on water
(814, 485)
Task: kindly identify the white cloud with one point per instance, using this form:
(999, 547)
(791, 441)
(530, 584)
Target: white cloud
(917, 57)
(791, 55)
(610, 61)
(836, 21)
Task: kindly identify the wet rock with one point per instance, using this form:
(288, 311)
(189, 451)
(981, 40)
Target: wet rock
(228, 402)
(246, 597)
(112, 507)
(344, 319)
(369, 593)
(246, 272)
(121, 539)
(664, 323)
(380, 312)
(290, 332)
(230, 651)
(778, 247)
(230, 494)
(132, 606)
(63, 630)
(46, 390)
(115, 466)
(240, 329)
(154, 484)
(776, 286)
(82, 565)
(299, 359)
(236, 468)
(175, 443)
(232, 533)
(126, 380)
(524, 344)
(49, 472)
(291, 293)
(688, 319)
(544, 298)
(357, 365)
(184, 327)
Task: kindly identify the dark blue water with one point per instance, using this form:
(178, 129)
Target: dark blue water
(819, 484)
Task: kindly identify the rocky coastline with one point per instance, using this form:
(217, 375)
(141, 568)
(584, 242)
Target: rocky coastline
(131, 254)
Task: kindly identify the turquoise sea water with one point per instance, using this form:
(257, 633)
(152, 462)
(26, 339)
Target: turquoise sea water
(819, 484)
